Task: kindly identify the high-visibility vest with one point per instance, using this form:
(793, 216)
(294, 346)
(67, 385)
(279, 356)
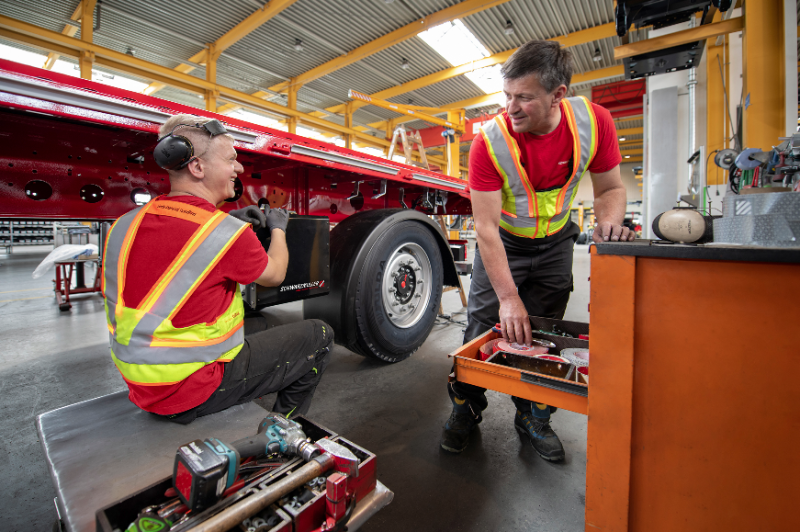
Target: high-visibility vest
(527, 212)
(146, 348)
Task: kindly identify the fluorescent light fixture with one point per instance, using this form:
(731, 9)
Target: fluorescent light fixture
(489, 80)
(622, 139)
(627, 156)
(597, 57)
(298, 45)
(22, 56)
(454, 42)
(509, 29)
(405, 64)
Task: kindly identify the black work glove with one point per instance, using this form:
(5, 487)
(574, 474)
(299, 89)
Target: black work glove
(277, 219)
(251, 215)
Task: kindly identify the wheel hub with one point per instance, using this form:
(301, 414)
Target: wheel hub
(406, 286)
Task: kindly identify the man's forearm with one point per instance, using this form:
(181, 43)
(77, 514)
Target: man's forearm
(494, 258)
(278, 252)
(610, 206)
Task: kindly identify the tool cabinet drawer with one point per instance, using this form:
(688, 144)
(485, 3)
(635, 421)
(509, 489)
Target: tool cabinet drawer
(518, 375)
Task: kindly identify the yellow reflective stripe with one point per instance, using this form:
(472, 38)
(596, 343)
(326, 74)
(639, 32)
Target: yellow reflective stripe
(207, 270)
(155, 374)
(194, 242)
(593, 121)
(175, 342)
(127, 243)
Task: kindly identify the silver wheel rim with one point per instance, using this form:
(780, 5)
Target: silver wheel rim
(406, 287)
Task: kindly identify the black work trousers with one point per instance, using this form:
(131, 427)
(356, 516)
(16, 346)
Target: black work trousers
(288, 359)
(544, 281)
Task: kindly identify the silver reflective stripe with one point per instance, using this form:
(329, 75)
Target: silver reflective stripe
(523, 221)
(139, 352)
(494, 134)
(583, 123)
(111, 260)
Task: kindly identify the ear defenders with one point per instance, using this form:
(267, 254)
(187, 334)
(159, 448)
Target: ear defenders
(174, 152)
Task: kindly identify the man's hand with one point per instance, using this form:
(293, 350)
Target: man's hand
(514, 321)
(277, 219)
(608, 232)
(251, 215)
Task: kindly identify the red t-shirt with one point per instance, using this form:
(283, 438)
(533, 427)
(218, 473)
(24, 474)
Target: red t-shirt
(159, 240)
(546, 158)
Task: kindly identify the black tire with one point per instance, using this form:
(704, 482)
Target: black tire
(387, 336)
(581, 239)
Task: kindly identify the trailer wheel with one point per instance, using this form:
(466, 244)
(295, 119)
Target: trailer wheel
(399, 291)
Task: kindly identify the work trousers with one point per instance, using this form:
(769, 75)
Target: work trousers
(288, 359)
(544, 281)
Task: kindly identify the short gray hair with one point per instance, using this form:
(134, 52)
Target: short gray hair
(198, 137)
(547, 59)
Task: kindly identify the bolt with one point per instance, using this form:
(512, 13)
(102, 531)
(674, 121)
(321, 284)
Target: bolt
(417, 295)
(403, 309)
(395, 303)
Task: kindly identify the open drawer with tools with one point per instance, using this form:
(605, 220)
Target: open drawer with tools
(558, 377)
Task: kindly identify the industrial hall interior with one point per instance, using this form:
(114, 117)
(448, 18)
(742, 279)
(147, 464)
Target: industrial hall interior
(338, 265)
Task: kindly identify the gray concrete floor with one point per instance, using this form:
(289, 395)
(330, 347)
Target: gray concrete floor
(51, 359)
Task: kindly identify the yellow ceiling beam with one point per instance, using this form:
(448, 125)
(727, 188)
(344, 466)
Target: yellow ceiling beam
(488, 99)
(602, 73)
(573, 39)
(462, 9)
(706, 31)
(231, 37)
(408, 111)
(68, 30)
(630, 131)
(628, 118)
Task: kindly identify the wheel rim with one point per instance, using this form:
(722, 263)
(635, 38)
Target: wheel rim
(406, 287)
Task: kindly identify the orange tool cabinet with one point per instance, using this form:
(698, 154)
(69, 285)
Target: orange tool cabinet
(694, 398)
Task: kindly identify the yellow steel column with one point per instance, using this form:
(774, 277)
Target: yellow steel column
(348, 122)
(86, 59)
(211, 76)
(292, 104)
(454, 148)
(763, 73)
(716, 115)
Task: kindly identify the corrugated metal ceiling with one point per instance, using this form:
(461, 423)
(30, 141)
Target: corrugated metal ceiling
(168, 33)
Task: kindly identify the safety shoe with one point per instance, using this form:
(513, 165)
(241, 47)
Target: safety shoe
(457, 430)
(542, 437)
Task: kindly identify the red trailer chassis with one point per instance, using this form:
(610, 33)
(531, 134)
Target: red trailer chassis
(76, 149)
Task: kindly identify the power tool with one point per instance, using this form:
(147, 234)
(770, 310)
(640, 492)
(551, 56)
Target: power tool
(204, 469)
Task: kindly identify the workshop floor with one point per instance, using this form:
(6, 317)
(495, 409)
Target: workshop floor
(51, 359)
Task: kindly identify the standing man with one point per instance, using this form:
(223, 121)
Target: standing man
(524, 170)
(171, 282)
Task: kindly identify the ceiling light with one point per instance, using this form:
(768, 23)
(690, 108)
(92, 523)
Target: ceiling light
(405, 64)
(298, 45)
(509, 29)
(622, 139)
(130, 51)
(627, 156)
(597, 55)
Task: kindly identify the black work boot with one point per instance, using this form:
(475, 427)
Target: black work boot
(462, 420)
(542, 437)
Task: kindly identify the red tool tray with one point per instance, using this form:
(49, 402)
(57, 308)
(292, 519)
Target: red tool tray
(553, 391)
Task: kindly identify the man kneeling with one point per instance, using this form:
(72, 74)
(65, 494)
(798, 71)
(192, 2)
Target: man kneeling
(175, 313)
